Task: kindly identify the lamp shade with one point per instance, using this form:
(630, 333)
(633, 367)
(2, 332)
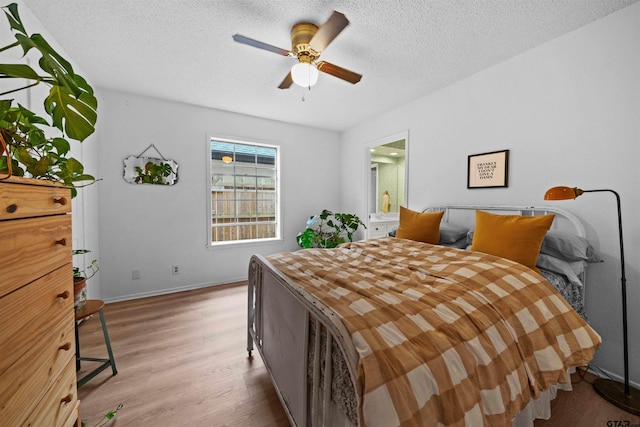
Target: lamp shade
(304, 74)
(227, 159)
(562, 193)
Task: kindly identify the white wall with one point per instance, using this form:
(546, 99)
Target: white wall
(150, 227)
(569, 112)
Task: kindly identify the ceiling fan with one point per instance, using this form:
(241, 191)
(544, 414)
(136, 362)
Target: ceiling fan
(308, 42)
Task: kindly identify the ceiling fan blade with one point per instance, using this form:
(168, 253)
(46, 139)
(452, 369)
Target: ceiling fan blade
(287, 82)
(260, 45)
(339, 72)
(328, 31)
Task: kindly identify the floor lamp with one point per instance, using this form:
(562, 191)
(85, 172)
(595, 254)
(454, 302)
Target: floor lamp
(621, 395)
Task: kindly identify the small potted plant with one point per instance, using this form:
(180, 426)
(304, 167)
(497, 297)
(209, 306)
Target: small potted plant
(328, 230)
(80, 277)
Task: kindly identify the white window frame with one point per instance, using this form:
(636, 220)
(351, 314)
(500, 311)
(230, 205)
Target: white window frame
(245, 141)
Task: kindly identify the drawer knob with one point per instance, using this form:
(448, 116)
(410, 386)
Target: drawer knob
(63, 295)
(66, 346)
(60, 200)
(68, 398)
(12, 208)
(61, 242)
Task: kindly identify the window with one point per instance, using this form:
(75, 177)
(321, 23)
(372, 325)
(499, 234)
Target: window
(244, 191)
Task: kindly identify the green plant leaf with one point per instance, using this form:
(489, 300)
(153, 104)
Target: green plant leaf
(20, 71)
(14, 19)
(325, 214)
(62, 145)
(50, 61)
(54, 64)
(41, 167)
(5, 104)
(75, 116)
(25, 157)
(27, 117)
(83, 177)
(74, 166)
(306, 238)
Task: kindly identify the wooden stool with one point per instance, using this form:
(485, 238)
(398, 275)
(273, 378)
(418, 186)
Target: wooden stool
(91, 307)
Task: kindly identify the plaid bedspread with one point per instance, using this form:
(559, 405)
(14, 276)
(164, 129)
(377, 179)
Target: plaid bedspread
(445, 336)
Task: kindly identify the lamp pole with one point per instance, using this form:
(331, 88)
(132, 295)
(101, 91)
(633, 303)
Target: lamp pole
(627, 390)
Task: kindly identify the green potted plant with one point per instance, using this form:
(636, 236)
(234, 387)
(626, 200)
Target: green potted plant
(328, 230)
(80, 277)
(27, 147)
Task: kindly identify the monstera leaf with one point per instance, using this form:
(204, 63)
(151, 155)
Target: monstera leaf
(76, 115)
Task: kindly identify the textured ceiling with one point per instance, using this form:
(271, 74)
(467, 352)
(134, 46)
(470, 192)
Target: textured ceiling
(182, 50)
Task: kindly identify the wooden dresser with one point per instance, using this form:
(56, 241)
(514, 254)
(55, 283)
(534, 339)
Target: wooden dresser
(37, 345)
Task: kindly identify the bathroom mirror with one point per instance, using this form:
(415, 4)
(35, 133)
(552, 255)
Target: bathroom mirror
(387, 175)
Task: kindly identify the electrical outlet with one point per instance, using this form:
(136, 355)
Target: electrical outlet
(175, 269)
(135, 274)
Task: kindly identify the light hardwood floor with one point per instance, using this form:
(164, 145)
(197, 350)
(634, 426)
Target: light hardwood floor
(182, 361)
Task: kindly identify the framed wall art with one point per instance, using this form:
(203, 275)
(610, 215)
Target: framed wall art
(488, 170)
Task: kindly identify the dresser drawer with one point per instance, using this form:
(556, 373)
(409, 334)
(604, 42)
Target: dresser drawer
(26, 382)
(20, 200)
(60, 403)
(377, 231)
(381, 229)
(29, 248)
(74, 417)
(28, 313)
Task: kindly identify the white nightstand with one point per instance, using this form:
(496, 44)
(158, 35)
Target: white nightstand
(380, 227)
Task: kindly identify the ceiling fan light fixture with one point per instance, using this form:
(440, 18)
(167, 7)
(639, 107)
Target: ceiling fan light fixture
(304, 74)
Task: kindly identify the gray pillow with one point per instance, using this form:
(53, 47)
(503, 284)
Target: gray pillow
(451, 233)
(568, 246)
(460, 244)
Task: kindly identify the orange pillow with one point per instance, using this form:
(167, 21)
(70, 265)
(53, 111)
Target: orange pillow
(514, 237)
(419, 226)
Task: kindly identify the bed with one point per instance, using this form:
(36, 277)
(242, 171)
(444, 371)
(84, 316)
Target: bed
(392, 331)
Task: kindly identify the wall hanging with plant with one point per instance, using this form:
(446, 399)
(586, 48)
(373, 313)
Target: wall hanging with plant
(150, 170)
